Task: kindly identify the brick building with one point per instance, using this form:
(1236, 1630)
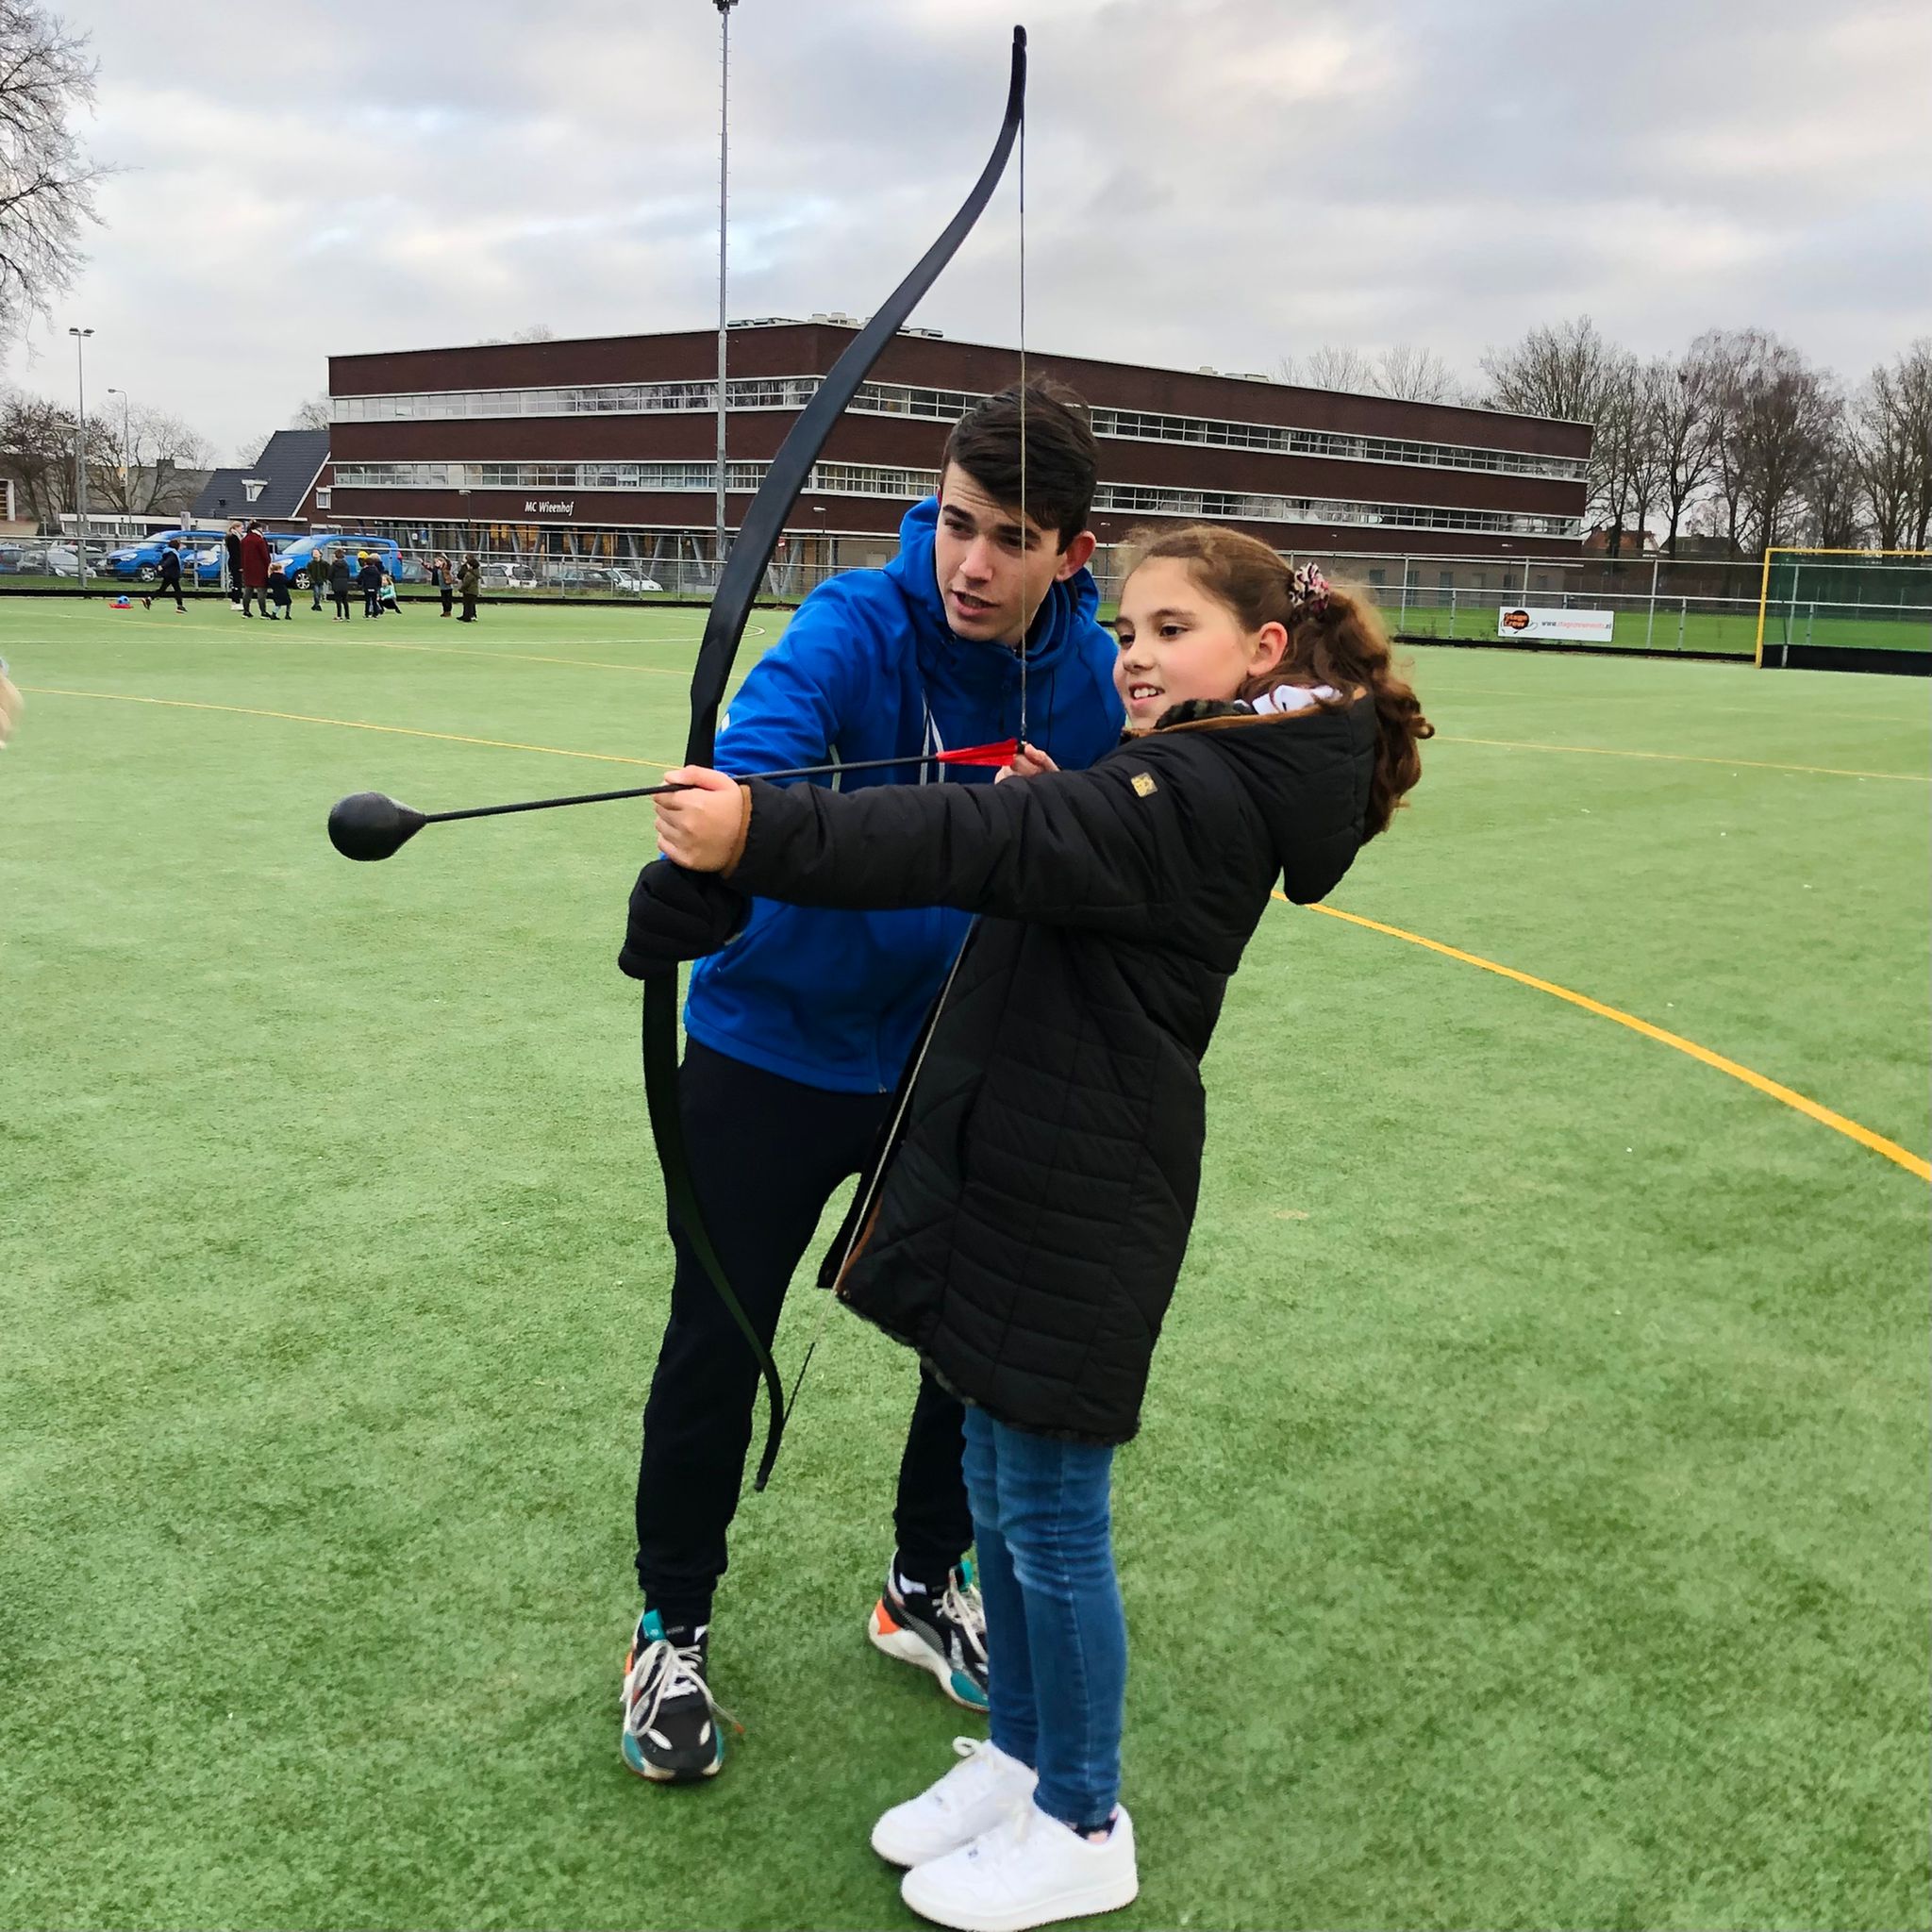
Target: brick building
(604, 448)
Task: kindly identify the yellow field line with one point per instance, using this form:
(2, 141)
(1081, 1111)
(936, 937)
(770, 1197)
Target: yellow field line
(604, 757)
(466, 651)
(505, 657)
(1683, 757)
(1911, 1162)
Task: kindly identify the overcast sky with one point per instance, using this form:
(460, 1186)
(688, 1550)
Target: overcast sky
(1208, 182)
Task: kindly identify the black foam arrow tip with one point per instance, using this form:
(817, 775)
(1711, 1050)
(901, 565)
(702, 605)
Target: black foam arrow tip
(371, 825)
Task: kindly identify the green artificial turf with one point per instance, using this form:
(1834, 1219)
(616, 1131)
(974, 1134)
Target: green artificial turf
(1529, 1526)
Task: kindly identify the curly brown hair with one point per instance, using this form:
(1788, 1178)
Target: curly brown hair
(1337, 639)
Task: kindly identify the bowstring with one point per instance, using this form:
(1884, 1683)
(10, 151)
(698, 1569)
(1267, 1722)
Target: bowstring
(1025, 528)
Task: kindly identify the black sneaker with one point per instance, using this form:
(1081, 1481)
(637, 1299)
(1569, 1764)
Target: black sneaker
(670, 1733)
(941, 1632)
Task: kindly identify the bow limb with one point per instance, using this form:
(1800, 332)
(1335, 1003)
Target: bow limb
(738, 585)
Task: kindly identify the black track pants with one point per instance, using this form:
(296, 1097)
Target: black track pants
(766, 1155)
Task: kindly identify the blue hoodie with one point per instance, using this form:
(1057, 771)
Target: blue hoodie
(867, 669)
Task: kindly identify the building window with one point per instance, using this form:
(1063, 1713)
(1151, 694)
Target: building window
(884, 480)
(322, 498)
(938, 406)
(1378, 578)
(1446, 581)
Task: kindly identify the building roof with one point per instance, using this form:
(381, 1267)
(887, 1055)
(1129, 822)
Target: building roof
(287, 470)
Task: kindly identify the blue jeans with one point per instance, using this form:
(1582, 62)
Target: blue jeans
(1055, 1637)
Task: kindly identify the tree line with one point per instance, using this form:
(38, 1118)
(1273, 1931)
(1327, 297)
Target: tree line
(1741, 441)
(140, 461)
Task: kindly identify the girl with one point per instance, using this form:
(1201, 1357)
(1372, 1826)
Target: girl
(341, 580)
(1026, 1225)
(440, 574)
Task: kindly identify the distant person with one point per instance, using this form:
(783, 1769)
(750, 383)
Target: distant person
(278, 591)
(385, 590)
(469, 581)
(318, 575)
(443, 576)
(342, 581)
(231, 568)
(368, 576)
(254, 562)
(171, 577)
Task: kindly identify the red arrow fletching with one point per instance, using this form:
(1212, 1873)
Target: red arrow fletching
(1002, 752)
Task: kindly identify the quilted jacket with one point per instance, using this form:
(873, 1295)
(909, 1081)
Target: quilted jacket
(1024, 1227)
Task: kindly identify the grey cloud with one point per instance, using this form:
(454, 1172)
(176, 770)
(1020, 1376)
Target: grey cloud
(1209, 181)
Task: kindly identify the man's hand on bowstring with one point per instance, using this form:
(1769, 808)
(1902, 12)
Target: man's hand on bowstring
(702, 826)
(1030, 761)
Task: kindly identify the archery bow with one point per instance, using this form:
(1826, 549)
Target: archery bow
(738, 584)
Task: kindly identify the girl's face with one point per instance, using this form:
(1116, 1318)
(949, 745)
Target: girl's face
(1177, 643)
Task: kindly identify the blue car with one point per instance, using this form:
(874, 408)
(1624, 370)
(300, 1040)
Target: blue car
(142, 560)
(293, 554)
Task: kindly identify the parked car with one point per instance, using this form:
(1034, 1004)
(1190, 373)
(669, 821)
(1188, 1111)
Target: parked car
(500, 575)
(142, 560)
(23, 560)
(578, 577)
(634, 582)
(295, 551)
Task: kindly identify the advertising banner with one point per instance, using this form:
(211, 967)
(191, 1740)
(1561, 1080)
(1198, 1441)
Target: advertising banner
(1571, 626)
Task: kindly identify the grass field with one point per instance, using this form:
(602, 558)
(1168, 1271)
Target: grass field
(1529, 1528)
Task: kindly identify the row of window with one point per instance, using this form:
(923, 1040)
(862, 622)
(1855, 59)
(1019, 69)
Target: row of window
(1222, 506)
(939, 406)
(1131, 426)
(868, 479)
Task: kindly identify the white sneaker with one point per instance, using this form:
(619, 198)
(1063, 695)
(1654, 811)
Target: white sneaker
(1030, 1869)
(984, 1788)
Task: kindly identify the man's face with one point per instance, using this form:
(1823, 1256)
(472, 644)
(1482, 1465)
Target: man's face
(993, 566)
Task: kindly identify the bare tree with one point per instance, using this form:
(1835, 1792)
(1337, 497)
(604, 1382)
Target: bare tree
(46, 179)
(247, 453)
(535, 332)
(1568, 371)
(1329, 367)
(37, 450)
(1774, 413)
(1891, 441)
(313, 414)
(160, 470)
(1678, 422)
(1413, 374)
(1622, 481)
(1833, 507)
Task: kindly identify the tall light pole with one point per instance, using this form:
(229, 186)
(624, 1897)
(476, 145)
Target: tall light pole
(126, 492)
(723, 8)
(80, 336)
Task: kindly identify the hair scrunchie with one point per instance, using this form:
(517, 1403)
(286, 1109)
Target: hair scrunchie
(1308, 588)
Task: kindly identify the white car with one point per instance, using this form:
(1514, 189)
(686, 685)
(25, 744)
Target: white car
(630, 580)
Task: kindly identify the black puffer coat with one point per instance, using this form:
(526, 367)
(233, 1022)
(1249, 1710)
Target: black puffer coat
(1030, 1222)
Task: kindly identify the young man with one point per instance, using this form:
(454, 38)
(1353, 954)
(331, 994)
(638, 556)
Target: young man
(799, 1028)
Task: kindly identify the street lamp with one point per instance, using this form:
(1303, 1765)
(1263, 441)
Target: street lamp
(723, 8)
(80, 336)
(126, 486)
